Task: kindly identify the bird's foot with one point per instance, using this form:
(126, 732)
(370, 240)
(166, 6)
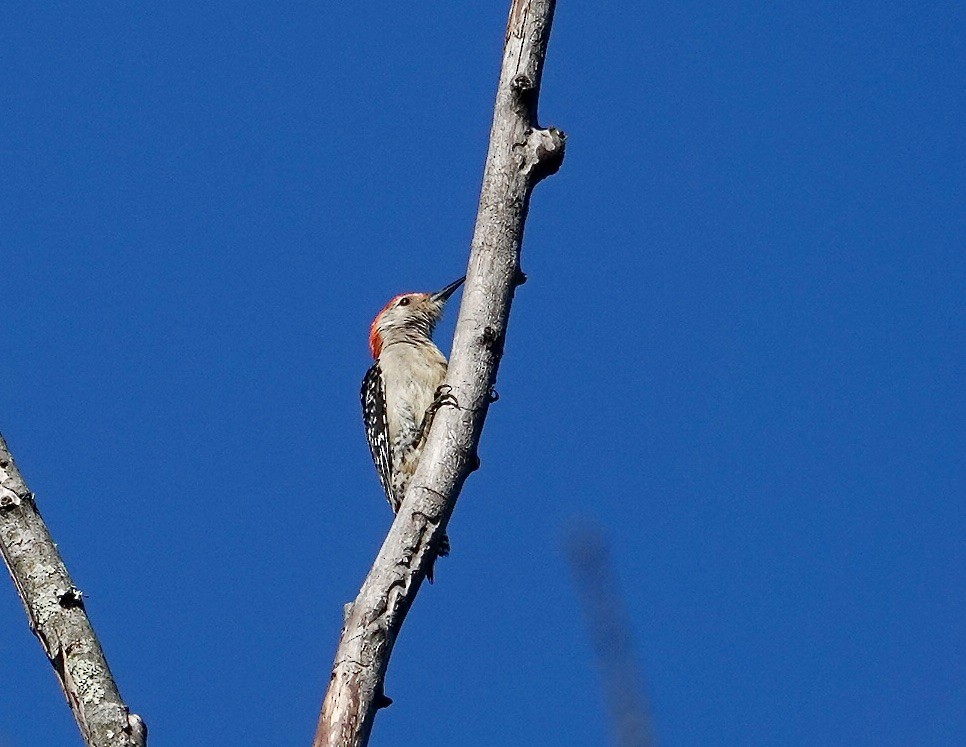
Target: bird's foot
(444, 396)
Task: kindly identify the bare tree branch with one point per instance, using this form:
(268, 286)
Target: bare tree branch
(520, 155)
(55, 609)
(610, 633)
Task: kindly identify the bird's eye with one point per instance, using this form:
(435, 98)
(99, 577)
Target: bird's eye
(404, 302)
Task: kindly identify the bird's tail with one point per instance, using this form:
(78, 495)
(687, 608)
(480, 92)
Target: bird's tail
(442, 550)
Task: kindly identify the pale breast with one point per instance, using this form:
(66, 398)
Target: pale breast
(412, 376)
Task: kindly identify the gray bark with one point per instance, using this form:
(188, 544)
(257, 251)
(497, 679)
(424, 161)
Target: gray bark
(520, 154)
(55, 610)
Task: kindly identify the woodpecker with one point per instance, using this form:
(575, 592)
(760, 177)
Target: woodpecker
(401, 391)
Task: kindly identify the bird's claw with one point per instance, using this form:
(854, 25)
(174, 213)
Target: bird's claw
(444, 396)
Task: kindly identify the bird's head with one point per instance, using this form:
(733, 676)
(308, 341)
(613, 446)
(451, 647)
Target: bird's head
(409, 317)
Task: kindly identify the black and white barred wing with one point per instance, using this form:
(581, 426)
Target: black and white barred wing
(377, 429)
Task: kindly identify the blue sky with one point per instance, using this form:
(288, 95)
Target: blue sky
(739, 351)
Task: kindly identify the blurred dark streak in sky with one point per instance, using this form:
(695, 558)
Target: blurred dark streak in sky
(608, 626)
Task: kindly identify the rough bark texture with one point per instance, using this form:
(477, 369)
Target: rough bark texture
(520, 154)
(55, 609)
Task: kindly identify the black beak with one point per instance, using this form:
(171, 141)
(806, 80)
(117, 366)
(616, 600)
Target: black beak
(449, 290)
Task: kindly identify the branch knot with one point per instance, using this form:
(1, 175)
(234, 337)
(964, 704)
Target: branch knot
(522, 83)
(71, 598)
(543, 152)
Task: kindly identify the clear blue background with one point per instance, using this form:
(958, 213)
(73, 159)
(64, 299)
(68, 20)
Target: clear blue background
(740, 351)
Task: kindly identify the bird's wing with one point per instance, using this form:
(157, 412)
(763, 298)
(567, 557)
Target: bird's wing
(377, 429)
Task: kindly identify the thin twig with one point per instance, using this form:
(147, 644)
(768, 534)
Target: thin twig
(610, 632)
(55, 609)
(520, 155)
